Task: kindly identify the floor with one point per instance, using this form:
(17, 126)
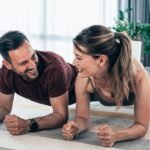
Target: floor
(52, 139)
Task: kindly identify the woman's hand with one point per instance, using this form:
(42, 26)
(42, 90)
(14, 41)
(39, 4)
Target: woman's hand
(106, 135)
(70, 130)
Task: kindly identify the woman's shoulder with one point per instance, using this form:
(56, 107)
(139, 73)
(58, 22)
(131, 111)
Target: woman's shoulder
(83, 83)
(140, 72)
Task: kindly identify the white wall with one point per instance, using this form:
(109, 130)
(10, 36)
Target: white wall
(51, 24)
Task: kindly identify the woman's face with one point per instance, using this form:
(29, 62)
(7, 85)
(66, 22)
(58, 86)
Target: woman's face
(86, 64)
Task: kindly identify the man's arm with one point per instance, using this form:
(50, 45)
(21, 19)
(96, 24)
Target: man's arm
(58, 117)
(16, 125)
(5, 105)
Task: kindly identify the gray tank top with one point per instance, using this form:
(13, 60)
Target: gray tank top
(97, 97)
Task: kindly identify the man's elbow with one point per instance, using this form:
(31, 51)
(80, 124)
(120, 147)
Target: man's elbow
(62, 120)
(3, 113)
(65, 120)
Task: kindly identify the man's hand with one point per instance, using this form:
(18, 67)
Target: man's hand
(16, 125)
(70, 130)
(106, 135)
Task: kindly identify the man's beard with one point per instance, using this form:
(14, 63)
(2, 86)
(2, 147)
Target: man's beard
(27, 75)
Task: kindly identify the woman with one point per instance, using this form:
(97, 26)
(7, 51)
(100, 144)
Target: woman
(108, 73)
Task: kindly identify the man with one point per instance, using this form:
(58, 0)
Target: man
(41, 76)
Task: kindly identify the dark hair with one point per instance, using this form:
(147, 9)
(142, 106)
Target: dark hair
(11, 41)
(99, 40)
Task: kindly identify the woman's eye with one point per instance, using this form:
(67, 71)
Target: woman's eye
(78, 58)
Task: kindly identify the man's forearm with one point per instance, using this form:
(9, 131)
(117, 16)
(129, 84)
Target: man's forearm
(3, 112)
(54, 120)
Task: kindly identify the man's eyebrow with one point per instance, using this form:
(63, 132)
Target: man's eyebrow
(24, 61)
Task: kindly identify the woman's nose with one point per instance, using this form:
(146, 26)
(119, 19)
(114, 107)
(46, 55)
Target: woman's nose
(75, 62)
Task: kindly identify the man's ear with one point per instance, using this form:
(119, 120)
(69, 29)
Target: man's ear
(7, 64)
(103, 59)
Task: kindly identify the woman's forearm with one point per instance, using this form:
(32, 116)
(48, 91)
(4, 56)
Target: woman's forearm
(133, 132)
(82, 123)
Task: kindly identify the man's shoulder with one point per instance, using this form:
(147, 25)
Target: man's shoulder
(4, 70)
(50, 59)
(48, 54)
(6, 77)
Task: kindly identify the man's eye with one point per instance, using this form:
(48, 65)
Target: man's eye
(23, 63)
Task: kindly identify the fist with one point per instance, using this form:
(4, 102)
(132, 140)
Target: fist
(106, 135)
(70, 130)
(16, 125)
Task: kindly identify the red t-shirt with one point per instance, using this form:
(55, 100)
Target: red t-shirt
(55, 78)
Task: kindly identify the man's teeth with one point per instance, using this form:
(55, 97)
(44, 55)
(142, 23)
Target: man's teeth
(31, 71)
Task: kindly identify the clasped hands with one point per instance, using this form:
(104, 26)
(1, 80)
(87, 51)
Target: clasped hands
(16, 125)
(105, 134)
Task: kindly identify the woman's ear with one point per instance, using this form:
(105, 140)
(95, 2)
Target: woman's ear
(7, 64)
(103, 59)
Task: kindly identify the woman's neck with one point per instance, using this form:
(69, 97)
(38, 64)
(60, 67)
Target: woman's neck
(103, 80)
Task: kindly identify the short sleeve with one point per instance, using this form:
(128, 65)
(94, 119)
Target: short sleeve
(57, 82)
(5, 82)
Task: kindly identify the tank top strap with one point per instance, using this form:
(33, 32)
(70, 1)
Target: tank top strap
(91, 83)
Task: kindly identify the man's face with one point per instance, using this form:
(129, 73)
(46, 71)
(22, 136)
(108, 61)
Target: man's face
(23, 61)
